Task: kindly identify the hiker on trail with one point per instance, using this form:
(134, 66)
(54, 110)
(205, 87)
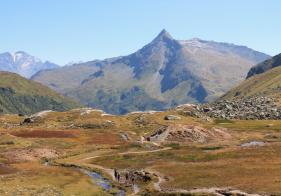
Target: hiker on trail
(115, 174)
(118, 177)
(127, 177)
(133, 180)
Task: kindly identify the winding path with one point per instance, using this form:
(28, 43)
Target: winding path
(111, 171)
(127, 153)
(157, 185)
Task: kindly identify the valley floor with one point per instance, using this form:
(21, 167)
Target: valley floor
(87, 152)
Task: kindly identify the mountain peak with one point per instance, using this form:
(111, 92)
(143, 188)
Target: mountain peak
(163, 35)
(18, 54)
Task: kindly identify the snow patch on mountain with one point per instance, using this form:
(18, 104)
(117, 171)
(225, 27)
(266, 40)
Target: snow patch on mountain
(22, 63)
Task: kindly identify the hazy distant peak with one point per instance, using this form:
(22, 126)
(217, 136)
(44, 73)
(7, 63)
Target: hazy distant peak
(23, 63)
(21, 56)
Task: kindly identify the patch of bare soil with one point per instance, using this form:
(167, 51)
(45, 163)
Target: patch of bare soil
(44, 134)
(188, 133)
(21, 155)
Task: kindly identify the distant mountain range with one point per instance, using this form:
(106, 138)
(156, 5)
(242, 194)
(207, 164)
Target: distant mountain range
(163, 74)
(23, 63)
(20, 95)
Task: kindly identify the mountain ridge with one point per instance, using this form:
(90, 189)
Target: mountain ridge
(265, 66)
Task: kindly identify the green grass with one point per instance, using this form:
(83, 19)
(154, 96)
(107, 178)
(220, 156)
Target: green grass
(211, 148)
(223, 121)
(174, 145)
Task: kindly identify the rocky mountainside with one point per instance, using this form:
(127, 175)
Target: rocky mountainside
(23, 63)
(186, 134)
(19, 95)
(265, 66)
(258, 97)
(163, 74)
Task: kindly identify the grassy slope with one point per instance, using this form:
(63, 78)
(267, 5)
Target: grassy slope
(266, 84)
(19, 95)
(65, 78)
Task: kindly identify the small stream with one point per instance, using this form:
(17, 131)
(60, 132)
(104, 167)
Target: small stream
(98, 180)
(253, 144)
(102, 182)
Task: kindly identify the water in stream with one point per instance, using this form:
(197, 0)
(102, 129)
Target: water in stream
(102, 182)
(99, 180)
(253, 144)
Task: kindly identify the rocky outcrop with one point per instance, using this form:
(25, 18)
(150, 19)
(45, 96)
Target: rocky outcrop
(131, 176)
(187, 133)
(254, 108)
(172, 117)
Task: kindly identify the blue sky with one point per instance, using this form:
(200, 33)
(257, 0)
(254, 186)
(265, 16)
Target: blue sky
(81, 30)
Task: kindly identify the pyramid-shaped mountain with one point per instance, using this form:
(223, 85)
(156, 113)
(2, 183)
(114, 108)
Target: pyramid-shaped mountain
(164, 73)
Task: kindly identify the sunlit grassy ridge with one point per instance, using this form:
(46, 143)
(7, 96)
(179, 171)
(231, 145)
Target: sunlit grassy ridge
(265, 84)
(19, 95)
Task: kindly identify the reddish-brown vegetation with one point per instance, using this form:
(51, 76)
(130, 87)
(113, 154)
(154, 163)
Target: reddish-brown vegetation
(44, 134)
(5, 169)
(105, 138)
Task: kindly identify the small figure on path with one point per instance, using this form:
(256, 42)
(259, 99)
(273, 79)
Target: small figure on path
(115, 174)
(127, 177)
(118, 177)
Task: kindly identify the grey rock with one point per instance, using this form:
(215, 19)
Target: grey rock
(253, 108)
(172, 117)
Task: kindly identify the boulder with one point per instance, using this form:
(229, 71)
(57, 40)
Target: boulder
(28, 120)
(172, 117)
